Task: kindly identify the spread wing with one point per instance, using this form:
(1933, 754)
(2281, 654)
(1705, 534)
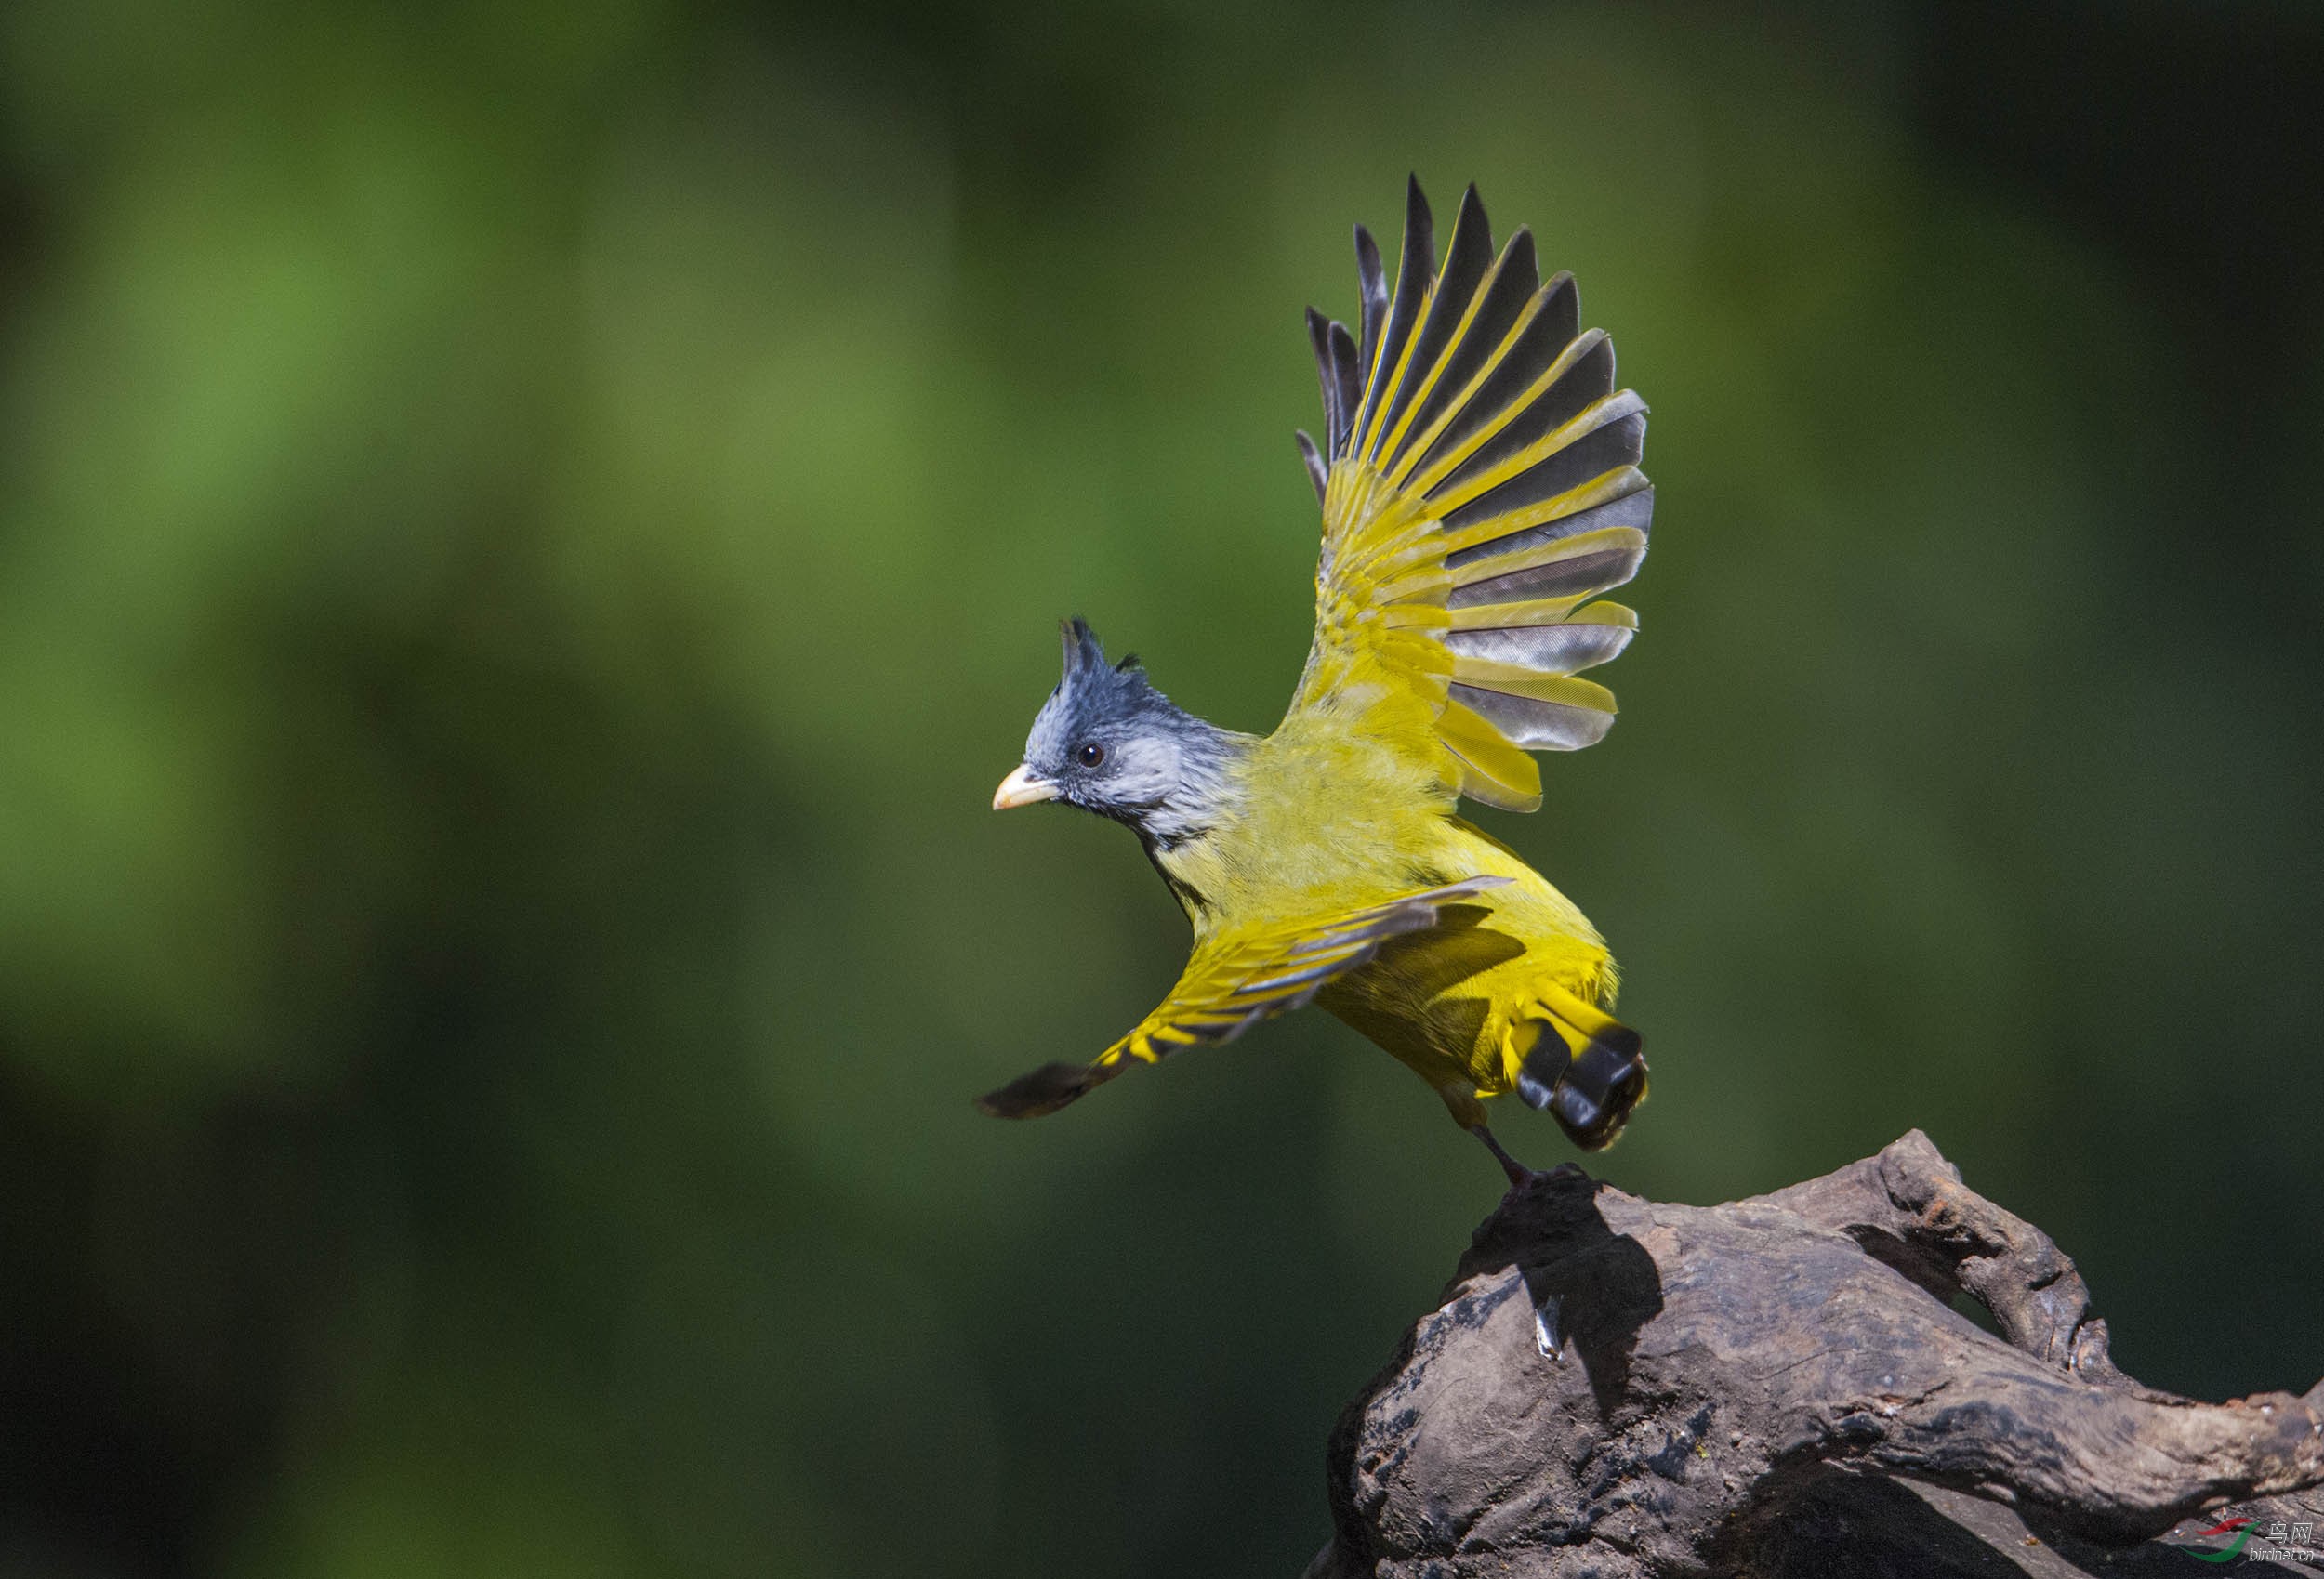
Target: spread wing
(1235, 980)
(1481, 488)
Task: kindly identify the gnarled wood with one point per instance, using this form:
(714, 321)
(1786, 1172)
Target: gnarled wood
(1781, 1385)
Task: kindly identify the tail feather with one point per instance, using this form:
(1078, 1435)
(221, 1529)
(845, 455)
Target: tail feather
(1587, 1069)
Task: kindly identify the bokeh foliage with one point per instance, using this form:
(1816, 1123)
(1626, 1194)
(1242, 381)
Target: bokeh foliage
(527, 534)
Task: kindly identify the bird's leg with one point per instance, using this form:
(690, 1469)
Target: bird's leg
(1518, 1173)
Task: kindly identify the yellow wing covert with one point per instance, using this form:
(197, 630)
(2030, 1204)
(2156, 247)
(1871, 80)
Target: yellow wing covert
(1480, 489)
(1233, 980)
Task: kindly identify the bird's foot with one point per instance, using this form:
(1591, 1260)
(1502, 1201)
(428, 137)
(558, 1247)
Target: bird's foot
(1519, 1174)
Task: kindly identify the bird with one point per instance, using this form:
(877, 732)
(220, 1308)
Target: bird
(1479, 481)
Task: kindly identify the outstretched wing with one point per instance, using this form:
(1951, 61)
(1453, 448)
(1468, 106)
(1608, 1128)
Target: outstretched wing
(1235, 980)
(1481, 488)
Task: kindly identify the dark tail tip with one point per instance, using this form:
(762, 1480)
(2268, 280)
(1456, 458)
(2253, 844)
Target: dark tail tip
(1591, 1095)
(1045, 1090)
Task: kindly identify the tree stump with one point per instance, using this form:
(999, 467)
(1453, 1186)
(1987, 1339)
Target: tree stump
(1781, 1387)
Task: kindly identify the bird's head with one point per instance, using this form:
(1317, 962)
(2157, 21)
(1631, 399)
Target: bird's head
(1108, 742)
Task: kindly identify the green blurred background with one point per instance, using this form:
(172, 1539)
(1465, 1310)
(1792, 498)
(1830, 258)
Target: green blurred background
(528, 533)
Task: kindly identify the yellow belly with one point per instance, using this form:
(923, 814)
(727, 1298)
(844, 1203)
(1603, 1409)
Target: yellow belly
(1462, 1004)
(1329, 824)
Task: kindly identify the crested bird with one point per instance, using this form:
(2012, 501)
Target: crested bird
(1478, 477)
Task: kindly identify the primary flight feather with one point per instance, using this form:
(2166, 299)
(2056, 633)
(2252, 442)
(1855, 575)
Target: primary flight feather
(1479, 479)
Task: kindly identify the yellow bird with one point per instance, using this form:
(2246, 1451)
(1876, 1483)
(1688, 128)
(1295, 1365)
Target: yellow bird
(1480, 488)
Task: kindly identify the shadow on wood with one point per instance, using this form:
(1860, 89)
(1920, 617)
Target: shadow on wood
(1780, 1387)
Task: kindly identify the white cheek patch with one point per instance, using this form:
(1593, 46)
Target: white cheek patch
(1145, 770)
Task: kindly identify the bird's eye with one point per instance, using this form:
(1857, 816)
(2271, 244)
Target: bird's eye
(1091, 755)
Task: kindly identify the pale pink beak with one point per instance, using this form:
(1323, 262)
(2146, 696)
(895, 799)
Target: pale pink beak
(1021, 788)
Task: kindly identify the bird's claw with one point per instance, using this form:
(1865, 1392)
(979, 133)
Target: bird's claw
(1519, 1174)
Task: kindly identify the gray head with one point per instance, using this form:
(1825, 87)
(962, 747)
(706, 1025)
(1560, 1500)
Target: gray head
(1109, 743)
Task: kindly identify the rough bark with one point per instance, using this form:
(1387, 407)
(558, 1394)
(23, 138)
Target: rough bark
(1782, 1387)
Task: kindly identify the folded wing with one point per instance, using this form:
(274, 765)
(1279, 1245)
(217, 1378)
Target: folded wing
(1480, 484)
(1235, 980)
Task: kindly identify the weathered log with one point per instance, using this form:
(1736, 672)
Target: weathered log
(1782, 1387)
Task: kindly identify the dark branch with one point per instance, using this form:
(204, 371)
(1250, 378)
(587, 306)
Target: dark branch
(1781, 1385)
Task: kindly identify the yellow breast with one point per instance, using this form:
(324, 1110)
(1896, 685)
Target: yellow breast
(1326, 822)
